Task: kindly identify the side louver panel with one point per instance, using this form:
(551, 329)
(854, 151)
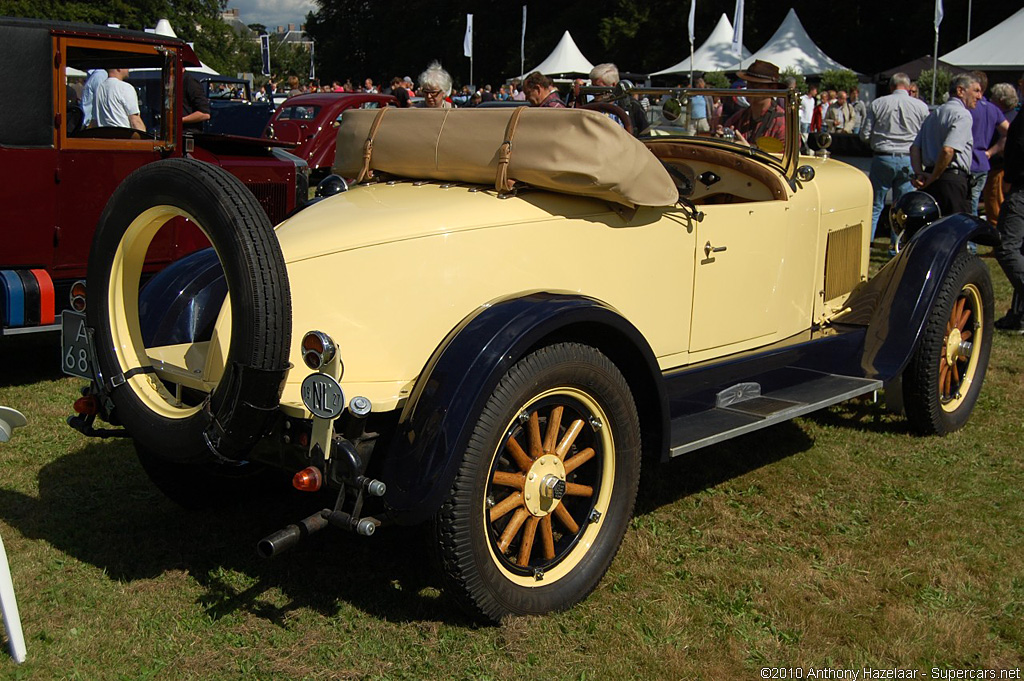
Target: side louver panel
(842, 261)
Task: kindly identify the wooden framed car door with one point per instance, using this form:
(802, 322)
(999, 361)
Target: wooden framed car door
(92, 161)
(738, 272)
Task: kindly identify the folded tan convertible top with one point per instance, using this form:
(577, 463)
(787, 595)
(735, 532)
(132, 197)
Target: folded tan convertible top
(573, 151)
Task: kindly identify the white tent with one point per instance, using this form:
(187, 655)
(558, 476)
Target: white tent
(790, 46)
(564, 59)
(714, 55)
(164, 28)
(998, 48)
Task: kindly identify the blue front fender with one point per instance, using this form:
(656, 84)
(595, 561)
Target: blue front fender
(901, 296)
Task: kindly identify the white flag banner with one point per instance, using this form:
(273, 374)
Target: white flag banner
(737, 31)
(689, 23)
(938, 14)
(467, 44)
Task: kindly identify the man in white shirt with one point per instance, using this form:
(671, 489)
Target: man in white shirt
(117, 103)
(95, 79)
(807, 103)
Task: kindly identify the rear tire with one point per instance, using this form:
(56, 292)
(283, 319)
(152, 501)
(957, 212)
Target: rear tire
(206, 485)
(507, 546)
(944, 378)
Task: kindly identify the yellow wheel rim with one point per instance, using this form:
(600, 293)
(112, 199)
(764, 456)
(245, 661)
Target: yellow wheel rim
(549, 487)
(958, 365)
(123, 312)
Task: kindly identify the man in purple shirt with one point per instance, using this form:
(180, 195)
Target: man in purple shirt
(988, 123)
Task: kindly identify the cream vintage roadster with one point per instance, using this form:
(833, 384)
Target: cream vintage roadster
(503, 314)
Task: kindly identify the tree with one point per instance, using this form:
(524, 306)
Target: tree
(838, 79)
(801, 82)
(716, 79)
(942, 80)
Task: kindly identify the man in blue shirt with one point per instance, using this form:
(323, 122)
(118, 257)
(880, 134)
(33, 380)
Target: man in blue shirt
(988, 120)
(890, 126)
(941, 152)
(698, 111)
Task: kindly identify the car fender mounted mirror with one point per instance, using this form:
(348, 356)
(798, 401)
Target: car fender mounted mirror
(805, 173)
(331, 185)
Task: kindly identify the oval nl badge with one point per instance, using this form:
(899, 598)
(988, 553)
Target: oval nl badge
(323, 396)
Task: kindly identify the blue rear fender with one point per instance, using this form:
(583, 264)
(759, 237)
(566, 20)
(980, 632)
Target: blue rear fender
(423, 458)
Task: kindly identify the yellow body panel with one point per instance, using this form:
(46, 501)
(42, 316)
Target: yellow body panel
(389, 301)
(388, 270)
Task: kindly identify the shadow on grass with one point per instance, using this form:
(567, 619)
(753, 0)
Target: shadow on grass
(98, 506)
(702, 469)
(29, 358)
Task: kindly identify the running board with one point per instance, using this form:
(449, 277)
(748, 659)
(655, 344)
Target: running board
(742, 408)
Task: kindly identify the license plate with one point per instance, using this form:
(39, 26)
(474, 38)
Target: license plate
(76, 351)
(323, 396)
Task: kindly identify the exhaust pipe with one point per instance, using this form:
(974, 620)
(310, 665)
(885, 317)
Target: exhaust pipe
(282, 540)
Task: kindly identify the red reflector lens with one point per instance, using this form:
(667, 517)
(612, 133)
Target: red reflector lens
(313, 341)
(87, 406)
(308, 479)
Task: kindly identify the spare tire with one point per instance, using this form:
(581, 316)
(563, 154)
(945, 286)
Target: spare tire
(240, 388)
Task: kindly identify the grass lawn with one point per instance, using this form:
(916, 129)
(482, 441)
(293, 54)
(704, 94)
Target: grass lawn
(838, 540)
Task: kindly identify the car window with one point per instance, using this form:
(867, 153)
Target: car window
(147, 91)
(370, 105)
(298, 113)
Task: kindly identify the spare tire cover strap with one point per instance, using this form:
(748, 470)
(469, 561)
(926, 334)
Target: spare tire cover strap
(120, 379)
(247, 402)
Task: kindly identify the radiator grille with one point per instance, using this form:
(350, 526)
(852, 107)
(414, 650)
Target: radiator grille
(842, 261)
(273, 197)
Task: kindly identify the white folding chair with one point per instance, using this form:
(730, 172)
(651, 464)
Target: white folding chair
(9, 420)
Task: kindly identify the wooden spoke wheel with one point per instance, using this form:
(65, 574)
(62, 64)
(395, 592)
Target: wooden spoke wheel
(945, 374)
(958, 365)
(546, 488)
(545, 493)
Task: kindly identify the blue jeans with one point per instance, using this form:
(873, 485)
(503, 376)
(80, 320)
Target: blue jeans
(977, 185)
(888, 172)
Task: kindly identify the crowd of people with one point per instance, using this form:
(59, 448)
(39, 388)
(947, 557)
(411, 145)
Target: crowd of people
(967, 153)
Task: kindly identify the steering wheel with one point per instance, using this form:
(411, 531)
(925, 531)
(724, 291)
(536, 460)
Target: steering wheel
(613, 109)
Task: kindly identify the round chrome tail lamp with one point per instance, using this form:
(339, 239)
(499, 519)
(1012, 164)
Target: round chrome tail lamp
(317, 349)
(76, 297)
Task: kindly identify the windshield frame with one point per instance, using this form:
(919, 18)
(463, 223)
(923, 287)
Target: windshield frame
(787, 165)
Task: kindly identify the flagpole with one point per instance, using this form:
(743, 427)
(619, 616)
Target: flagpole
(935, 51)
(522, 45)
(690, 30)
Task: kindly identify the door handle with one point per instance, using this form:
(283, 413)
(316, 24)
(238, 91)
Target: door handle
(709, 249)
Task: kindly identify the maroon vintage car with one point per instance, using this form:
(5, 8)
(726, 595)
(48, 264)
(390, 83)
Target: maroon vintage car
(310, 122)
(60, 168)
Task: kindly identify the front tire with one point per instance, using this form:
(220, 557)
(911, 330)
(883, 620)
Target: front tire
(943, 380)
(546, 488)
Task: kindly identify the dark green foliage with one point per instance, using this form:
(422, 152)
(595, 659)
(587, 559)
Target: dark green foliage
(839, 79)
(942, 80)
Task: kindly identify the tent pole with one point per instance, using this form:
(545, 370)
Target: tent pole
(935, 64)
(691, 63)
